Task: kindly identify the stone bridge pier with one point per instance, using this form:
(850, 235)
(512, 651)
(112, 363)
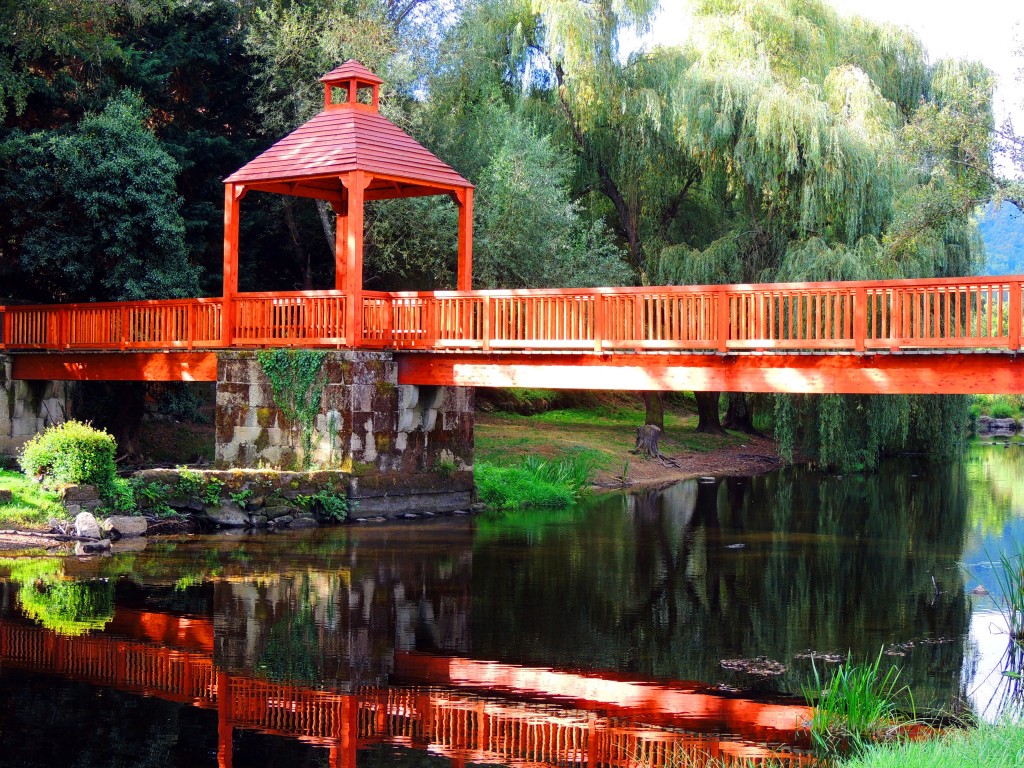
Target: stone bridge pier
(405, 448)
(28, 407)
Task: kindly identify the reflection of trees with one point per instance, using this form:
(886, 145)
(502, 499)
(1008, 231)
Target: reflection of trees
(650, 584)
(995, 478)
(66, 606)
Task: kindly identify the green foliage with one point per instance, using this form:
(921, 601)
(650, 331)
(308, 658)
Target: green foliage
(241, 497)
(153, 497)
(1002, 409)
(71, 452)
(297, 381)
(111, 186)
(30, 505)
(855, 706)
(445, 467)
(987, 746)
(119, 495)
(191, 484)
(212, 491)
(534, 482)
(326, 502)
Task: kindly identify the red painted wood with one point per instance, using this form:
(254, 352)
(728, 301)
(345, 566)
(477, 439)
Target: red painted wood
(108, 366)
(885, 373)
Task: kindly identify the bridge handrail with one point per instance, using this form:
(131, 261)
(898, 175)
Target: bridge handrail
(860, 316)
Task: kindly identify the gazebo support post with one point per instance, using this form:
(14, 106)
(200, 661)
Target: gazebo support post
(464, 198)
(355, 182)
(232, 197)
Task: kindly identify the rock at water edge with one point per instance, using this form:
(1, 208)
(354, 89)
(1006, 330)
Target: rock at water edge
(125, 526)
(227, 515)
(86, 526)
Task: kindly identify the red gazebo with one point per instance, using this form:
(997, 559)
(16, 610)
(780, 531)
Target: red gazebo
(347, 154)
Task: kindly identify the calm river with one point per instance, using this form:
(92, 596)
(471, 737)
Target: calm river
(637, 629)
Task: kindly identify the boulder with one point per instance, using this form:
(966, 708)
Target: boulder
(282, 521)
(125, 526)
(278, 510)
(304, 522)
(86, 526)
(227, 515)
(258, 521)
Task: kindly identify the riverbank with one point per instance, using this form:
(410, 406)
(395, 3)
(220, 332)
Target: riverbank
(602, 427)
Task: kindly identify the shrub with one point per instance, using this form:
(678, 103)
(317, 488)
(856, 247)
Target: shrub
(71, 452)
(1003, 409)
(327, 502)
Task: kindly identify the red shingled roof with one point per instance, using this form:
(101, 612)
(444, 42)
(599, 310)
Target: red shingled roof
(351, 70)
(343, 139)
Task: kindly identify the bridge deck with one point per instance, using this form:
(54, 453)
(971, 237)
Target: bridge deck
(824, 337)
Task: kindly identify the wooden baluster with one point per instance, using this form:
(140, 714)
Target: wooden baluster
(722, 327)
(1013, 332)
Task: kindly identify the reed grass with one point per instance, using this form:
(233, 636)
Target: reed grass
(1009, 572)
(857, 706)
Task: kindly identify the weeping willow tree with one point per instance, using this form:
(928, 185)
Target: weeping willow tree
(830, 149)
(779, 141)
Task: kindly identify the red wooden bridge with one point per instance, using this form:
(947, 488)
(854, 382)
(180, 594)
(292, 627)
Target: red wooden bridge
(883, 337)
(468, 711)
(957, 335)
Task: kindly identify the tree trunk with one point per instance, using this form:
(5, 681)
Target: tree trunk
(708, 421)
(647, 441)
(654, 403)
(739, 415)
(327, 223)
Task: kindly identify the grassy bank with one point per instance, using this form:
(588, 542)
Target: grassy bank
(600, 425)
(30, 506)
(990, 746)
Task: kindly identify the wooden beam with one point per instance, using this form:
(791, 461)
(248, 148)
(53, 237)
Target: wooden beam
(878, 374)
(113, 366)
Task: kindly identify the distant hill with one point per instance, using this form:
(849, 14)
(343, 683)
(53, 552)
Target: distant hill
(1002, 229)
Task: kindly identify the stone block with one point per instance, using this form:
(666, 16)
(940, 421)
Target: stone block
(361, 398)
(125, 526)
(227, 515)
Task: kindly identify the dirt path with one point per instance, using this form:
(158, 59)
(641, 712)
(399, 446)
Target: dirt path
(751, 457)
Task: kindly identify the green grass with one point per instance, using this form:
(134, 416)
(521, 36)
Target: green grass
(31, 505)
(1009, 572)
(990, 746)
(608, 429)
(856, 706)
(535, 482)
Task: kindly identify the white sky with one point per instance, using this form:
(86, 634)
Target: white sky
(986, 30)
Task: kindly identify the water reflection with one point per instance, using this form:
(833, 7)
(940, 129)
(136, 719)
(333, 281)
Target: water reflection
(671, 584)
(590, 635)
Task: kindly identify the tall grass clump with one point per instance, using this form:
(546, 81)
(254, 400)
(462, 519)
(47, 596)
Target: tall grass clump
(1009, 572)
(857, 705)
(534, 482)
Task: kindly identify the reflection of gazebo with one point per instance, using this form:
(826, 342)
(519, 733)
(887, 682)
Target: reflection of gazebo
(348, 154)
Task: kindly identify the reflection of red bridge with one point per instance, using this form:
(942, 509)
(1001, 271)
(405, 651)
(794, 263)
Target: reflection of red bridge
(517, 716)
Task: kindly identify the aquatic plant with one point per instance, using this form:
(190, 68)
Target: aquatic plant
(857, 705)
(1009, 572)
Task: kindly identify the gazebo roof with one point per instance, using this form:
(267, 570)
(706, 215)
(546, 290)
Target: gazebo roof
(346, 137)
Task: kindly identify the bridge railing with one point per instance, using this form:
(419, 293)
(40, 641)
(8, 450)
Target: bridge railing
(941, 313)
